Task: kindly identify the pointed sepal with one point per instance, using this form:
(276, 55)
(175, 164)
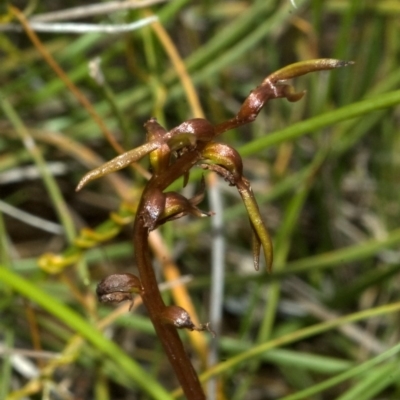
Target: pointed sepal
(177, 206)
(260, 232)
(118, 163)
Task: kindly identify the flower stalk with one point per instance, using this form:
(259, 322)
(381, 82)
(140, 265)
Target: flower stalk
(172, 155)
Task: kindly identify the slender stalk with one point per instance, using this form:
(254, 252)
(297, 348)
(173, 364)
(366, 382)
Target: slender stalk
(154, 304)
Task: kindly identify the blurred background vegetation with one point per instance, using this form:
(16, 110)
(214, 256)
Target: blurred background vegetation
(325, 323)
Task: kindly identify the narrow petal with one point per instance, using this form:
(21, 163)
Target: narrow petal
(177, 206)
(257, 224)
(118, 163)
(304, 67)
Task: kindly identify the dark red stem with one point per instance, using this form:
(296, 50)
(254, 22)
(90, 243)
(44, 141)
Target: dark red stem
(154, 304)
(151, 296)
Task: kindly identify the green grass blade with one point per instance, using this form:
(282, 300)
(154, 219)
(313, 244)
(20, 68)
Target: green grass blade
(89, 332)
(352, 372)
(314, 124)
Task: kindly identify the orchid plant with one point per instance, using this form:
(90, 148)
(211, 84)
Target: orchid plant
(173, 153)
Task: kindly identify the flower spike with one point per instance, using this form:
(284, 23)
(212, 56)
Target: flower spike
(173, 154)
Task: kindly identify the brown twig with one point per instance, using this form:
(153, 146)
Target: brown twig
(154, 304)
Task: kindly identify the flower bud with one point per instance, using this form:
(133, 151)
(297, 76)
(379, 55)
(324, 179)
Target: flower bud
(177, 317)
(154, 206)
(177, 206)
(180, 319)
(118, 287)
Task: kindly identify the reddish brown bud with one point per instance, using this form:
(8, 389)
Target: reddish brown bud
(177, 206)
(180, 319)
(153, 208)
(118, 287)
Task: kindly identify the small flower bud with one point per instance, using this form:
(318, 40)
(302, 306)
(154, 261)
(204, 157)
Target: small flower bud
(177, 206)
(153, 209)
(118, 287)
(180, 319)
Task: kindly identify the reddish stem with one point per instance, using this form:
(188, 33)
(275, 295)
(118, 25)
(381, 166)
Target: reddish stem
(154, 304)
(151, 295)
